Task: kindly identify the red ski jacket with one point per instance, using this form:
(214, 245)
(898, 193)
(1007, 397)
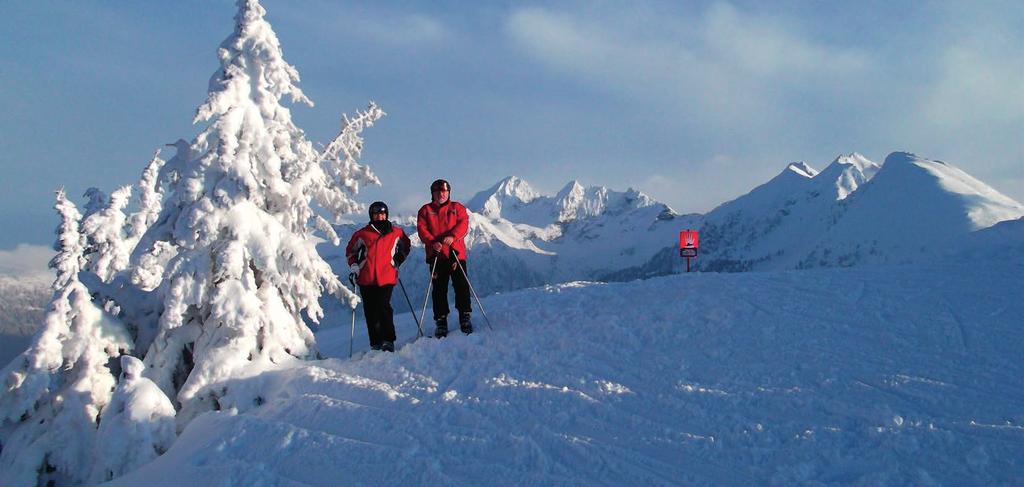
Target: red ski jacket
(435, 222)
(377, 256)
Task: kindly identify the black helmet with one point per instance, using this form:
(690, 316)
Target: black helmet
(378, 207)
(440, 185)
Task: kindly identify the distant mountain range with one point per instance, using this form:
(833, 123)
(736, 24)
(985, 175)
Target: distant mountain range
(22, 305)
(854, 212)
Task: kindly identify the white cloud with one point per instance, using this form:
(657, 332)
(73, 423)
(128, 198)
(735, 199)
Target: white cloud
(976, 86)
(26, 260)
(768, 48)
(722, 67)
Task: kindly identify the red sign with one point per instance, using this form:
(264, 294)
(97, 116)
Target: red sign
(689, 239)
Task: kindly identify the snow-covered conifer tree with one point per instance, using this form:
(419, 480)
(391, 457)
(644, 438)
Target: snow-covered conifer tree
(107, 248)
(137, 426)
(150, 201)
(238, 226)
(54, 391)
(155, 248)
(343, 174)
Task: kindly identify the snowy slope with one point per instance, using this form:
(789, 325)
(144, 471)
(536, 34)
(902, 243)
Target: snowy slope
(878, 376)
(1004, 240)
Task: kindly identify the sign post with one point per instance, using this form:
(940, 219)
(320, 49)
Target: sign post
(689, 242)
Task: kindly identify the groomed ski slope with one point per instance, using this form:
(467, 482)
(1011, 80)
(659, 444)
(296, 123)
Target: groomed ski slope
(874, 376)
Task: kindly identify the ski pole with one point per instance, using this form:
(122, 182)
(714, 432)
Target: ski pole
(423, 315)
(411, 310)
(478, 303)
(352, 333)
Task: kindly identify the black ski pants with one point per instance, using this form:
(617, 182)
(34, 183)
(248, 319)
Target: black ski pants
(443, 272)
(380, 318)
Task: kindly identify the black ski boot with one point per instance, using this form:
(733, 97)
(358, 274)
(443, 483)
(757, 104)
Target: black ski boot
(464, 324)
(387, 346)
(442, 327)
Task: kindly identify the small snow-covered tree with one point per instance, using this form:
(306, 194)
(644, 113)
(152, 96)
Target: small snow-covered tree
(342, 175)
(107, 248)
(137, 425)
(54, 391)
(150, 201)
(237, 225)
(156, 247)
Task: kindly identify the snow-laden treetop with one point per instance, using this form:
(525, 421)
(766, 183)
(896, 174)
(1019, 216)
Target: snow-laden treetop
(253, 68)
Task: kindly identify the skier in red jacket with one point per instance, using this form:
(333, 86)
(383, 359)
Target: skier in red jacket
(442, 225)
(374, 254)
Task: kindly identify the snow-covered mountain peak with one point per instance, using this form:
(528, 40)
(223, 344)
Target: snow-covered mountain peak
(569, 199)
(865, 165)
(574, 201)
(573, 189)
(935, 184)
(900, 161)
(846, 173)
(901, 158)
(512, 199)
(510, 192)
(794, 180)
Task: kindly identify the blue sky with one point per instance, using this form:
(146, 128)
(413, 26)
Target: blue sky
(694, 103)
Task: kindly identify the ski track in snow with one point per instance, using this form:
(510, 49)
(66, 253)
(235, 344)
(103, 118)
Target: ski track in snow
(873, 375)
